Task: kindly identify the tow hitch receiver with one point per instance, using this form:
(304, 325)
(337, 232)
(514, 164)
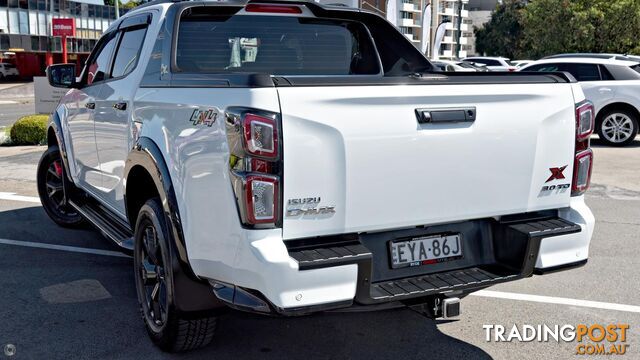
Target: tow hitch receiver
(447, 308)
(450, 308)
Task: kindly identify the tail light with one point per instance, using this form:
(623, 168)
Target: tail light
(258, 198)
(255, 166)
(582, 172)
(583, 161)
(260, 136)
(584, 121)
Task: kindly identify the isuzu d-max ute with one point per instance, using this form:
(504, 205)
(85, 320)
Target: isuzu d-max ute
(288, 158)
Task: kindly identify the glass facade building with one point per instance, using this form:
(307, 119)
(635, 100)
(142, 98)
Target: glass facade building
(25, 31)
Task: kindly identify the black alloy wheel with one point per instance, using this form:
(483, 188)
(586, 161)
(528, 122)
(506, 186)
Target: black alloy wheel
(50, 176)
(169, 329)
(153, 278)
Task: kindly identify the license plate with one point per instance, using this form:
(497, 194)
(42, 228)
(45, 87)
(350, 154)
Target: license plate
(425, 250)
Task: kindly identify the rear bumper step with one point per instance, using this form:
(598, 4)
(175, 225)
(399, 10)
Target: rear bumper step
(513, 245)
(436, 284)
(330, 256)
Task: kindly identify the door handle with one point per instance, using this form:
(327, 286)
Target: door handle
(120, 106)
(90, 105)
(604, 90)
(446, 115)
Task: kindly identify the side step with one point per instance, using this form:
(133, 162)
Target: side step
(110, 225)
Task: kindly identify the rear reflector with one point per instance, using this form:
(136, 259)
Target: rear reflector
(584, 121)
(582, 172)
(276, 9)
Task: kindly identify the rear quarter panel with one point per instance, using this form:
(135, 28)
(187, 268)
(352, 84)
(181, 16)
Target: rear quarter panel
(197, 157)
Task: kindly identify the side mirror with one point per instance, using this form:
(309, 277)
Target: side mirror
(62, 75)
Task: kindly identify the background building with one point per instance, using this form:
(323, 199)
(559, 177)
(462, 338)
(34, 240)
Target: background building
(458, 31)
(454, 13)
(25, 31)
(479, 14)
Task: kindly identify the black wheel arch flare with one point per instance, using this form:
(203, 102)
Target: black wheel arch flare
(55, 126)
(191, 294)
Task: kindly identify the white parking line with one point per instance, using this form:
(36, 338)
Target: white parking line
(557, 300)
(13, 197)
(481, 293)
(63, 248)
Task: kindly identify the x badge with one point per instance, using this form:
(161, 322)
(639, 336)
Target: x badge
(556, 173)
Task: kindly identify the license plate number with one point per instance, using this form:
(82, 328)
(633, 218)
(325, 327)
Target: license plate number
(425, 250)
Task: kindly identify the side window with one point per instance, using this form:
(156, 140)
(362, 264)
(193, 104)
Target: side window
(98, 64)
(128, 52)
(543, 68)
(583, 72)
(605, 74)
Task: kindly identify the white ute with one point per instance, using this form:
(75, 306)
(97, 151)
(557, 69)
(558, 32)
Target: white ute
(288, 158)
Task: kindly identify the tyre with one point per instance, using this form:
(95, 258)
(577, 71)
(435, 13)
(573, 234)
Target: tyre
(154, 285)
(618, 127)
(49, 177)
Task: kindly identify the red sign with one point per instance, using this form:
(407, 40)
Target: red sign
(64, 27)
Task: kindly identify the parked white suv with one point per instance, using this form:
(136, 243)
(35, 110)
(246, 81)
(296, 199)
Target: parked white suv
(614, 88)
(493, 63)
(290, 158)
(8, 70)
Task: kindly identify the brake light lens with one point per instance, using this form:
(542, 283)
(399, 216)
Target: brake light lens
(276, 9)
(583, 161)
(255, 165)
(584, 121)
(261, 199)
(261, 136)
(582, 172)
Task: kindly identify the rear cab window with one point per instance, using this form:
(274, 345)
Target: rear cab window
(275, 45)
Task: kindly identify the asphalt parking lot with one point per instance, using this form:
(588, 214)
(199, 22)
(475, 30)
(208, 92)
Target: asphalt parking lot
(60, 303)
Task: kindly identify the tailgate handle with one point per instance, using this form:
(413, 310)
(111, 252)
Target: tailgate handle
(425, 116)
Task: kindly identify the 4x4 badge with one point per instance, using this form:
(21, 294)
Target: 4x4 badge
(556, 173)
(206, 117)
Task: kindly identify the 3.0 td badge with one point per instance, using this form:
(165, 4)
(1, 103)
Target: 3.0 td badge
(556, 174)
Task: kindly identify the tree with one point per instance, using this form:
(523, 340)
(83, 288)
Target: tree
(537, 28)
(501, 35)
(559, 26)
(128, 5)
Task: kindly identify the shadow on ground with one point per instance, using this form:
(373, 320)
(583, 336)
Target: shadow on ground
(33, 224)
(110, 327)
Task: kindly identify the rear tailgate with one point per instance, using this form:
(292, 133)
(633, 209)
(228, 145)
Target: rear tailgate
(361, 150)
